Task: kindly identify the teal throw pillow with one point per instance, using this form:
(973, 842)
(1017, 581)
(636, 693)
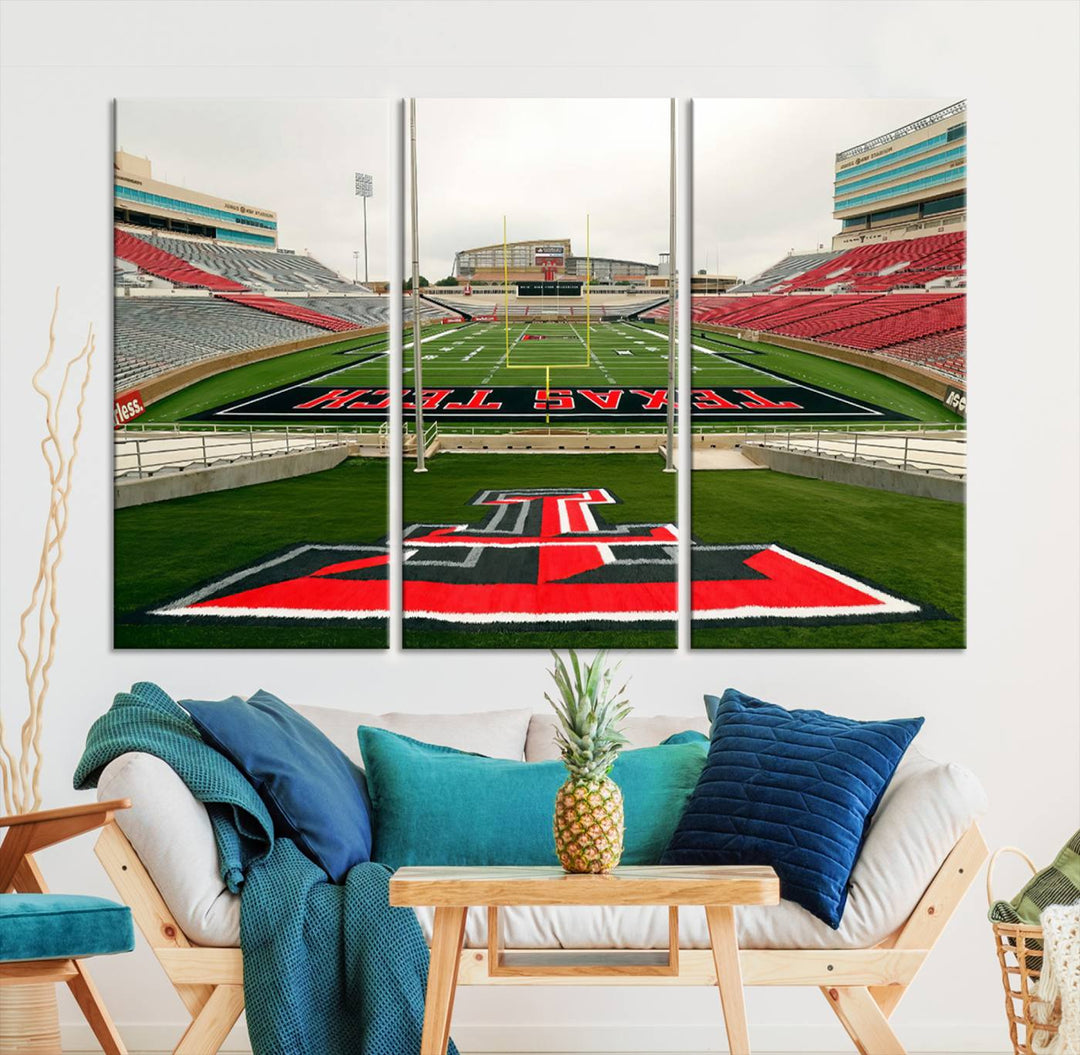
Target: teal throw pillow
(437, 806)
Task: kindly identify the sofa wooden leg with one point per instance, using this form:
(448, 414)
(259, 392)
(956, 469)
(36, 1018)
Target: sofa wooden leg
(211, 1025)
(94, 1011)
(864, 1021)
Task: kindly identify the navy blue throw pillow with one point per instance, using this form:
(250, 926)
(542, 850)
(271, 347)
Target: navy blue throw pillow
(315, 795)
(792, 789)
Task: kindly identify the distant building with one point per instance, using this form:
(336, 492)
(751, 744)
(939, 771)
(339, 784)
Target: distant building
(544, 260)
(712, 283)
(904, 184)
(141, 202)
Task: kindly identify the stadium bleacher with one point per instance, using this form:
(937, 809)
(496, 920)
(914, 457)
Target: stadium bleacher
(785, 270)
(874, 267)
(927, 329)
(290, 311)
(942, 352)
(363, 311)
(155, 334)
(941, 314)
(255, 269)
(859, 298)
(862, 309)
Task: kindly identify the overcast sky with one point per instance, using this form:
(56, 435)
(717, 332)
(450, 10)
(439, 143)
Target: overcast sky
(295, 157)
(763, 172)
(545, 163)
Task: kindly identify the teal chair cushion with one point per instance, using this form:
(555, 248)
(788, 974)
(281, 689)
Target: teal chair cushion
(59, 926)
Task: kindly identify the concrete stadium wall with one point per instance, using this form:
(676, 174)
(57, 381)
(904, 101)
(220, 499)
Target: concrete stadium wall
(567, 443)
(925, 381)
(859, 474)
(211, 478)
(166, 384)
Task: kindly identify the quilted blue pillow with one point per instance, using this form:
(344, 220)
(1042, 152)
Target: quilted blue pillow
(792, 789)
(315, 795)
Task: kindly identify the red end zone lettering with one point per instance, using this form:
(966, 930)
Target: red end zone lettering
(430, 399)
(381, 404)
(335, 399)
(756, 402)
(655, 398)
(554, 399)
(476, 401)
(127, 407)
(604, 400)
(707, 399)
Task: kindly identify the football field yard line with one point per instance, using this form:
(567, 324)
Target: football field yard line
(601, 367)
(790, 382)
(302, 383)
(505, 357)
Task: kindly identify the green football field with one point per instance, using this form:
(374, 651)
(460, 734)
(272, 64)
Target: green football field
(363, 360)
(913, 547)
(712, 352)
(163, 550)
(910, 547)
(536, 356)
(443, 495)
(528, 353)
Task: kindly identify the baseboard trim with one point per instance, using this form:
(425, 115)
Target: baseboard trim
(958, 1038)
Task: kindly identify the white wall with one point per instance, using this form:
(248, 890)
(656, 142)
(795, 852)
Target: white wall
(1007, 707)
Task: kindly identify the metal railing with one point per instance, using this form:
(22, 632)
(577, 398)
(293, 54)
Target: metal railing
(156, 451)
(698, 430)
(913, 453)
(354, 428)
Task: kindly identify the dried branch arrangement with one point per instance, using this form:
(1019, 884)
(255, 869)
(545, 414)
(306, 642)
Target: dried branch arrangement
(57, 385)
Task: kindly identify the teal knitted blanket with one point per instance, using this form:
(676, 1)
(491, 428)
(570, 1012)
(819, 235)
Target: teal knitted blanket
(328, 969)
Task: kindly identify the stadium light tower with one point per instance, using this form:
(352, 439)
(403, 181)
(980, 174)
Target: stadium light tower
(363, 192)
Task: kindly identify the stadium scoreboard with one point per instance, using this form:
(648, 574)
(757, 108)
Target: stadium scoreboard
(549, 289)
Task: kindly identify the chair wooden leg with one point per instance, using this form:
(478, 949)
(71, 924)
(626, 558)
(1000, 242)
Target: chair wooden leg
(725, 950)
(446, 941)
(864, 1021)
(211, 1025)
(94, 1011)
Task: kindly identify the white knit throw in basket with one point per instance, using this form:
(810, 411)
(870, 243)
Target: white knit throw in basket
(1060, 980)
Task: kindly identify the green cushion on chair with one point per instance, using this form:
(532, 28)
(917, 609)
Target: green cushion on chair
(59, 926)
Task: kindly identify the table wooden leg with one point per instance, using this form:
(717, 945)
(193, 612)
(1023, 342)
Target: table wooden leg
(725, 950)
(446, 941)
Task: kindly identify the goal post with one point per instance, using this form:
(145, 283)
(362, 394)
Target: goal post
(511, 344)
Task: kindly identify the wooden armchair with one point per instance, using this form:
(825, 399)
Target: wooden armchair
(45, 937)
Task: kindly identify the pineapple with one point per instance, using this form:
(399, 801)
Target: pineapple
(589, 807)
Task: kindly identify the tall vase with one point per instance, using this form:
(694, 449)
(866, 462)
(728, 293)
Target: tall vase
(29, 1022)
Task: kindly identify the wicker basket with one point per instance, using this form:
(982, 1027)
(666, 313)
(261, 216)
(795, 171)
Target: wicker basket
(1020, 955)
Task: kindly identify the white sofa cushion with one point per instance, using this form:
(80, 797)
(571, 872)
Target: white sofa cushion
(171, 832)
(497, 734)
(925, 810)
(640, 730)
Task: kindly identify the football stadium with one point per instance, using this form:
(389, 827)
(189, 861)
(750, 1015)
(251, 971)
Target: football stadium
(852, 535)
(838, 374)
(246, 514)
(826, 417)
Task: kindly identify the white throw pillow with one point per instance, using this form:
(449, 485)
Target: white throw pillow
(640, 730)
(497, 734)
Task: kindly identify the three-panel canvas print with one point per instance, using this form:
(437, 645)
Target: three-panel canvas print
(537, 371)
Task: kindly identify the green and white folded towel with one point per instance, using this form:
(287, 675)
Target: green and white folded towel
(1059, 884)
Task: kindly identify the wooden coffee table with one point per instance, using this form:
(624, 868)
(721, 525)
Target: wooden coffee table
(452, 891)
